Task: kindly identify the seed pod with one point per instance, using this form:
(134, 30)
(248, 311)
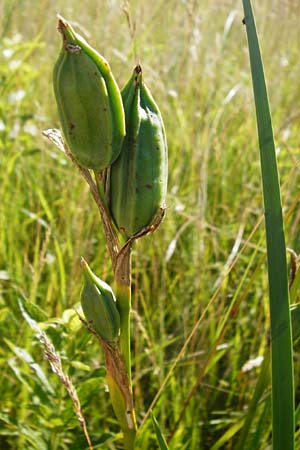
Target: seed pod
(89, 102)
(99, 305)
(138, 178)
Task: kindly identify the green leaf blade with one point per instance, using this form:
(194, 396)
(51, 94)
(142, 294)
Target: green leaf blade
(281, 340)
(159, 435)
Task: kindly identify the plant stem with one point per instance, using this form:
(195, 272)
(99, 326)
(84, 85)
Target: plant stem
(118, 359)
(118, 365)
(123, 296)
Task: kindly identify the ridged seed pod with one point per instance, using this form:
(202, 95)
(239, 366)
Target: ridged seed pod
(89, 102)
(99, 305)
(138, 178)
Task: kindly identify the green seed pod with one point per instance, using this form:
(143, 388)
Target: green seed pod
(89, 102)
(138, 178)
(99, 305)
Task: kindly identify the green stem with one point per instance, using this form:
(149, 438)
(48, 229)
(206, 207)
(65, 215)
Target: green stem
(118, 362)
(129, 439)
(121, 399)
(123, 296)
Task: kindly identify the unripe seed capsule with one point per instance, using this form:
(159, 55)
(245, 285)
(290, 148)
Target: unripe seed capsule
(99, 305)
(138, 178)
(89, 102)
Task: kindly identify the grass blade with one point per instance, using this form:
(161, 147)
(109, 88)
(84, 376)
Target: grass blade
(261, 384)
(281, 342)
(160, 437)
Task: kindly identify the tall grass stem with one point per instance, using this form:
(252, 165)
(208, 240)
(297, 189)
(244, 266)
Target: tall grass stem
(281, 340)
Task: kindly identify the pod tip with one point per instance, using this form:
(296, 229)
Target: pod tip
(138, 69)
(66, 30)
(83, 262)
(138, 74)
(62, 23)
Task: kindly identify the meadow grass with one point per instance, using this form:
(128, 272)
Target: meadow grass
(204, 271)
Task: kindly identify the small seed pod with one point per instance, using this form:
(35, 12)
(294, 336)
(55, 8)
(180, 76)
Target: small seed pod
(138, 178)
(89, 102)
(99, 305)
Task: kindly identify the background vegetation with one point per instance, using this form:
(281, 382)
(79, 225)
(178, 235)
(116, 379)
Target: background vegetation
(206, 260)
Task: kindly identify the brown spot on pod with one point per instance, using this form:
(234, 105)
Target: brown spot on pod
(73, 48)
